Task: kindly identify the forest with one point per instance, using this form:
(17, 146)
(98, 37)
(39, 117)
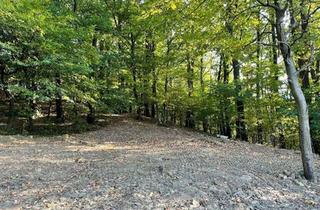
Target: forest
(247, 70)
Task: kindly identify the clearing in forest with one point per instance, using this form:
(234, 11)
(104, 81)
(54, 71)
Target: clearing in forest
(135, 165)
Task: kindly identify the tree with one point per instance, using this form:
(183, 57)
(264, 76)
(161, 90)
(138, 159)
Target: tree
(286, 39)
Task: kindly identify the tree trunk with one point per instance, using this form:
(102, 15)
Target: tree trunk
(154, 104)
(274, 59)
(75, 5)
(146, 105)
(11, 112)
(205, 121)
(91, 117)
(133, 69)
(154, 94)
(304, 75)
(164, 105)
(225, 70)
(259, 136)
(151, 47)
(201, 76)
(304, 128)
(241, 132)
(315, 72)
(224, 124)
(59, 105)
(301, 103)
(190, 123)
(166, 84)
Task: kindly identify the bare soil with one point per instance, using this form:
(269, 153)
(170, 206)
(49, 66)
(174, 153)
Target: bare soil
(134, 165)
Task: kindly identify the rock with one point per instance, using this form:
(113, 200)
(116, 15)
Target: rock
(222, 137)
(203, 202)
(160, 169)
(293, 176)
(194, 204)
(239, 194)
(282, 176)
(79, 160)
(65, 137)
(287, 173)
(83, 142)
(246, 178)
(298, 183)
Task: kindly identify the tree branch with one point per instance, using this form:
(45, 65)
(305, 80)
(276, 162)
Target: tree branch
(268, 4)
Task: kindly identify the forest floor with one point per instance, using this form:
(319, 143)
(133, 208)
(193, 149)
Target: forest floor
(135, 165)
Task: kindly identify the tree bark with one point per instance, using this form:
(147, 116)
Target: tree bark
(133, 69)
(224, 124)
(190, 123)
(300, 100)
(91, 116)
(275, 87)
(59, 105)
(241, 132)
(205, 121)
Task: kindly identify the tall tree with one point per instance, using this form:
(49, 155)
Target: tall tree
(284, 37)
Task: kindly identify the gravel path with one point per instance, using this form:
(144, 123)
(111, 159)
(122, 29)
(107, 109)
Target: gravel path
(133, 165)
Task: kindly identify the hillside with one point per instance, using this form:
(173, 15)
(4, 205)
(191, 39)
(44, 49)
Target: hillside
(135, 165)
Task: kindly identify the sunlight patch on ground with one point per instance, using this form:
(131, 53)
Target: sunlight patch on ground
(276, 195)
(50, 160)
(100, 147)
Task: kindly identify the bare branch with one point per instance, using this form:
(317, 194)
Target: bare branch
(313, 12)
(268, 4)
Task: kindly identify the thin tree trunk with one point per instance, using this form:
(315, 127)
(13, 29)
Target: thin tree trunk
(275, 87)
(190, 123)
(75, 5)
(133, 69)
(224, 127)
(59, 105)
(301, 103)
(91, 117)
(241, 132)
(166, 84)
(154, 94)
(205, 121)
(259, 137)
(165, 111)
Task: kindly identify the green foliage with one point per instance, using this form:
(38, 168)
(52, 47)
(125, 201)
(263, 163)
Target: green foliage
(173, 57)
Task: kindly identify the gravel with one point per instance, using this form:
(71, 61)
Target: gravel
(135, 165)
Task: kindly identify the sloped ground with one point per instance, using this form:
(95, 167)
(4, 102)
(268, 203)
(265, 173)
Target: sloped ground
(133, 165)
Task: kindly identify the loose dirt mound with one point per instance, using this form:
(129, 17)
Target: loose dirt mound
(133, 165)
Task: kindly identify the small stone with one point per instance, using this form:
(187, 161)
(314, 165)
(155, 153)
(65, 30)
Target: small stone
(160, 169)
(194, 204)
(83, 142)
(293, 176)
(287, 173)
(65, 137)
(281, 176)
(238, 200)
(246, 178)
(298, 183)
(203, 202)
(79, 160)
